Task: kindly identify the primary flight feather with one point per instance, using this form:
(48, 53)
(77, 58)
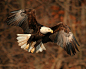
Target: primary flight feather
(35, 34)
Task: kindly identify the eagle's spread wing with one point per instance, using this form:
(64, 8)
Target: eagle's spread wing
(25, 19)
(18, 18)
(64, 38)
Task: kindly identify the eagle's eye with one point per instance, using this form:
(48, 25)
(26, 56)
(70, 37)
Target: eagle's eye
(49, 29)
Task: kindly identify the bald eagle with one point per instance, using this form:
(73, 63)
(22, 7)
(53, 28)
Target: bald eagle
(35, 34)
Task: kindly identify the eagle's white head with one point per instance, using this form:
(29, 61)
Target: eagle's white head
(45, 30)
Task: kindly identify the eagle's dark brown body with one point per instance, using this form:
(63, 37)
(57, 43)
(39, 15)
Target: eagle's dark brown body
(26, 19)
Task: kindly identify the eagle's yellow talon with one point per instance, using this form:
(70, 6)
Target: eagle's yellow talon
(32, 50)
(27, 46)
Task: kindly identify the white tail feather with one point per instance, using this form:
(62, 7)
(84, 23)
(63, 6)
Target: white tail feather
(19, 41)
(43, 47)
(40, 48)
(24, 35)
(22, 40)
(23, 46)
(22, 43)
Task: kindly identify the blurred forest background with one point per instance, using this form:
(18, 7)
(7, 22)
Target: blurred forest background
(49, 13)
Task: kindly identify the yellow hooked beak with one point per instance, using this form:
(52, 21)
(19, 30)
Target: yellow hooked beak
(51, 31)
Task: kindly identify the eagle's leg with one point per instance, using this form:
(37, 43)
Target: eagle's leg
(29, 43)
(35, 48)
(27, 46)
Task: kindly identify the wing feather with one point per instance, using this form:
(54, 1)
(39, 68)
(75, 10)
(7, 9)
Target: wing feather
(26, 19)
(64, 38)
(76, 41)
(19, 18)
